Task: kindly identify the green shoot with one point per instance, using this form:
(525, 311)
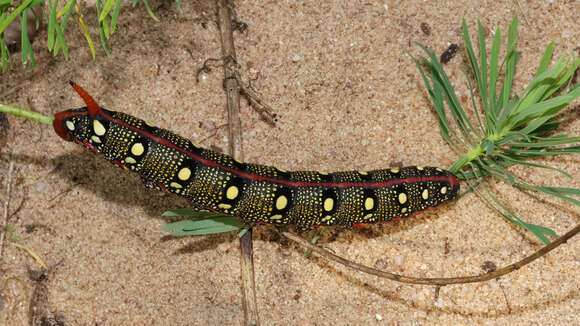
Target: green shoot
(31, 115)
(514, 127)
(57, 19)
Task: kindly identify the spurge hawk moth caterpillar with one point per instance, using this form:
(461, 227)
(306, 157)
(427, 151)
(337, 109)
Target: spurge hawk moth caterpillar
(254, 193)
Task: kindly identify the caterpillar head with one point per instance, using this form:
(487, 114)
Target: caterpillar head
(81, 125)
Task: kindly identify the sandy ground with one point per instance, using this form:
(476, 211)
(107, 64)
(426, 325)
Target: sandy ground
(348, 97)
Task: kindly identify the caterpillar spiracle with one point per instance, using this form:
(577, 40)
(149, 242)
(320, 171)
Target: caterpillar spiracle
(254, 193)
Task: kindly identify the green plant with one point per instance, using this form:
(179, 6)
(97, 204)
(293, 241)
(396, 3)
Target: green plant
(57, 18)
(514, 128)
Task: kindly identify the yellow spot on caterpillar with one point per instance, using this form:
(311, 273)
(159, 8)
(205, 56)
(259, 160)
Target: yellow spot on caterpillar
(281, 202)
(369, 203)
(394, 170)
(276, 217)
(366, 217)
(137, 149)
(363, 172)
(130, 160)
(323, 173)
(232, 192)
(149, 124)
(326, 218)
(184, 174)
(444, 190)
(420, 168)
(70, 125)
(96, 139)
(328, 204)
(438, 169)
(402, 198)
(425, 194)
(225, 206)
(404, 210)
(282, 170)
(175, 185)
(99, 128)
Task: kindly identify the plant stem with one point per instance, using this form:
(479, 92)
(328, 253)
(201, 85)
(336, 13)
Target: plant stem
(26, 114)
(465, 159)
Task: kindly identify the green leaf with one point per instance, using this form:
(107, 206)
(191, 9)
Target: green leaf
(545, 59)
(115, 16)
(26, 47)
(203, 226)
(106, 9)
(493, 77)
(13, 15)
(190, 212)
(149, 11)
(51, 24)
(5, 54)
(103, 31)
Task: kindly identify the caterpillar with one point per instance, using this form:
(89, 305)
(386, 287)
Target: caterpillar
(253, 193)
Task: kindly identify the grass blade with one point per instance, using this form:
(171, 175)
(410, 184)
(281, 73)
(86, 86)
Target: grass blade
(26, 47)
(203, 226)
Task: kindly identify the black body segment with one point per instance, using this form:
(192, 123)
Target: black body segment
(254, 193)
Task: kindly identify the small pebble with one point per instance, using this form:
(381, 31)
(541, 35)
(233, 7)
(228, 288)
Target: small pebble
(41, 187)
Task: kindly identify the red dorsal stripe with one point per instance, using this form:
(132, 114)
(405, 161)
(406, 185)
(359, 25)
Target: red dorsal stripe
(94, 108)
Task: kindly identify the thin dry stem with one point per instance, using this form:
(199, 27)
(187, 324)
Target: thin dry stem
(6, 206)
(440, 281)
(232, 88)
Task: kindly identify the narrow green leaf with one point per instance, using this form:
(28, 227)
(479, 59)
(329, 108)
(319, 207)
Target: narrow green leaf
(539, 231)
(554, 191)
(51, 24)
(476, 112)
(515, 161)
(13, 15)
(472, 58)
(547, 142)
(149, 11)
(106, 9)
(545, 59)
(26, 47)
(86, 32)
(6, 62)
(483, 61)
(61, 43)
(203, 226)
(511, 60)
(115, 16)
(179, 6)
(493, 77)
(102, 31)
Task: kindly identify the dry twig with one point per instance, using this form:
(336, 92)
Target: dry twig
(232, 89)
(6, 206)
(440, 281)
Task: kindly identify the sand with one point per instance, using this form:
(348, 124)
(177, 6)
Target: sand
(348, 96)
